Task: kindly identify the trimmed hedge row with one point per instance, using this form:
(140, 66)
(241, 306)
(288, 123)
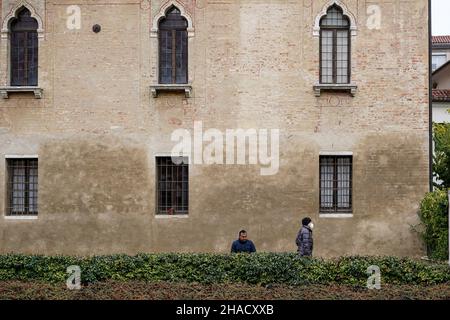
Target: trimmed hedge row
(260, 268)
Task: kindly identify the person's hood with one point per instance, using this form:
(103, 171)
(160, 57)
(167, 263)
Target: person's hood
(306, 227)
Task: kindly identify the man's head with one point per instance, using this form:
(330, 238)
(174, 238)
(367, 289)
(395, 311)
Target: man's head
(242, 235)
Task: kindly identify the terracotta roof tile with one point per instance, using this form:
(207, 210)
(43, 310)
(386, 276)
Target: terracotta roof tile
(440, 39)
(441, 95)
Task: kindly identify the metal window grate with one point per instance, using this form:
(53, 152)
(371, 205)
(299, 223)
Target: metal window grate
(24, 50)
(22, 187)
(173, 48)
(335, 184)
(334, 47)
(172, 186)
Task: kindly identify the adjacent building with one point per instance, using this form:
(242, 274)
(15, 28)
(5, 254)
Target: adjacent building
(441, 78)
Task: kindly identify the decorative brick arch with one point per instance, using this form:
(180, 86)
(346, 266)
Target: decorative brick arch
(162, 13)
(13, 14)
(323, 12)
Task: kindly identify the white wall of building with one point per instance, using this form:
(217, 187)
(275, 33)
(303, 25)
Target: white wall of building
(440, 112)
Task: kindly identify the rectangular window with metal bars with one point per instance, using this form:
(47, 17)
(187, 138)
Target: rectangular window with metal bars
(172, 185)
(336, 184)
(22, 187)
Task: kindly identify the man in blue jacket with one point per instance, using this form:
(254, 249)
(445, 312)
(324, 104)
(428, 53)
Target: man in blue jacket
(243, 244)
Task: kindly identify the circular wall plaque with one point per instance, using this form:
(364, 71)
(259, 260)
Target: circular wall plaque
(96, 28)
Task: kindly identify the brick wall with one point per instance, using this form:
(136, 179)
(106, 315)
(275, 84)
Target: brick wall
(253, 64)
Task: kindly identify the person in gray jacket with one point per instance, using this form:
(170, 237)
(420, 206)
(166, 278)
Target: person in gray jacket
(304, 239)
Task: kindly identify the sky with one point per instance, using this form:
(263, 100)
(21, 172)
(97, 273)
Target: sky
(440, 17)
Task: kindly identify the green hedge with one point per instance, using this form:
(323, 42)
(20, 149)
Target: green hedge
(260, 268)
(434, 217)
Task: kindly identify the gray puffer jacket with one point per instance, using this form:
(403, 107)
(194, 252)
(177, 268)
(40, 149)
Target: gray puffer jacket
(304, 242)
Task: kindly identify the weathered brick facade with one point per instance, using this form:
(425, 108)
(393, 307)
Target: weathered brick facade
(252, 64)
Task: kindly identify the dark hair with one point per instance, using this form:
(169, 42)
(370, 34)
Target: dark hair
(242, 232)
(306, 221)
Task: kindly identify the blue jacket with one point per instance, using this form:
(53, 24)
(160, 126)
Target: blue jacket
(247, 246)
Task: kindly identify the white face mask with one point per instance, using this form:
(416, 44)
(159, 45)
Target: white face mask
(311, 225)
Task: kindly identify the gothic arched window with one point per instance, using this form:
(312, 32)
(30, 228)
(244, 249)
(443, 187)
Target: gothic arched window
(173, 48)
(24, 49)
(334, 47)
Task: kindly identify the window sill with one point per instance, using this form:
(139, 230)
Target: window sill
(336, 215)
(318, 88)
(172, 216)
(5, 91)
(157, 88)
(21, 217)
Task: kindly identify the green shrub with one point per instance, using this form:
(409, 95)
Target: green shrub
(260, 268)
(434, 217)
